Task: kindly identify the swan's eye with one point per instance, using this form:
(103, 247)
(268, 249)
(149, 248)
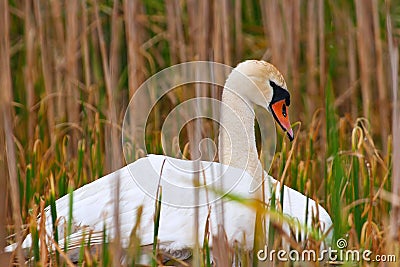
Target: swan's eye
(284, 110)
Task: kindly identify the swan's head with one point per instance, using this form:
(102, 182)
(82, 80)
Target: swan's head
(270, 91)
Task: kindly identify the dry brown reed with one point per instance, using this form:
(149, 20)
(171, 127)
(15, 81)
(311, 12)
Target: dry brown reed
(6, 111)
(394, 73)
(71, 69)
(312, 86)
(29, 70)
(380, 76)
(46, 65)
(3, 191)
(364, 41)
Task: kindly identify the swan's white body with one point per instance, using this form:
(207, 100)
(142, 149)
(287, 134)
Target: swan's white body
(93, 204)
(93, 207)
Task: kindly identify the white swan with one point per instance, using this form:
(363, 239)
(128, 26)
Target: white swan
(93, 203)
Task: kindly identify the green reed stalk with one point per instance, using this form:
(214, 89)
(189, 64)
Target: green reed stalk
(156, 227)
(53, 211)
(337, 173)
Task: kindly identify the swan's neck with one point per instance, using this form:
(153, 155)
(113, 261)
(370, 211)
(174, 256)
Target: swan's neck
(237, 143)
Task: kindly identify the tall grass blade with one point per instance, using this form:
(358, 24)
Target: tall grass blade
(105, 255)
(35, 237)
(134, 249)
(336, 171)
(156, 226)
(355, 179)
(53, 210)
(81, 154)
(70, 214)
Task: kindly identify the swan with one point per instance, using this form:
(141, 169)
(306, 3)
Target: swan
(239, 167)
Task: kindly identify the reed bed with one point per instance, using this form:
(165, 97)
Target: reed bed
(69, 68)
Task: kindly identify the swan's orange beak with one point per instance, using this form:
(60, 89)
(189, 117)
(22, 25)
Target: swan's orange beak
(281, 115)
